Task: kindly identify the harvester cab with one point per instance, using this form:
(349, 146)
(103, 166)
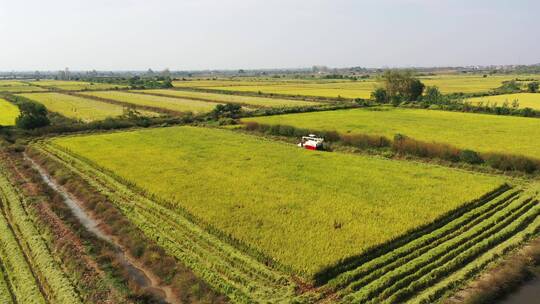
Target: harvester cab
(311, 142)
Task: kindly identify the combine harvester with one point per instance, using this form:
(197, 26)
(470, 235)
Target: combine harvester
(311, 142)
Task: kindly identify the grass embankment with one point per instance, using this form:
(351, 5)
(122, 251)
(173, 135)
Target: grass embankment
(266, 187)
(76, 107)
(167, 103)
(8, 113)
(478, 132)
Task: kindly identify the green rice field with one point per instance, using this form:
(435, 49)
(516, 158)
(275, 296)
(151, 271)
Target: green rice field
(261, 196)
(227, 98)
(525, 100)
(479, 132)
(76, 107)
(167, 103)
(8, 113)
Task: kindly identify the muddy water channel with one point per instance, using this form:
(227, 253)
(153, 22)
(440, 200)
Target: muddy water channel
(529, 293)
(138, 274)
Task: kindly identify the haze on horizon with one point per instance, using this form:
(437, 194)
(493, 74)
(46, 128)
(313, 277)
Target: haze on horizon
(249, 34)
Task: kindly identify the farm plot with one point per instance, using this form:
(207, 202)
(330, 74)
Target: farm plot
(360, 89)
(467, 84)
(78, 107)
(479, 132)
(28, 273)
(525, 100)
(74, 85)
(422, 270)
(8, 113)
(13, 87)
(297, 208)
(167, 103)
(351, 89)
(227, 98)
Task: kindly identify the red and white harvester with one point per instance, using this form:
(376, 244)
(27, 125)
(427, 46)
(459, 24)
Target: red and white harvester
(311, 142)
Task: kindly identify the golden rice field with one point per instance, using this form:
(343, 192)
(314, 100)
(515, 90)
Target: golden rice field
(167, 103)
(351, 89)
(228, 98)
(304, 209)
(525, 100)
(15, 88)
(74, 85)
(76, 107)
(479, 132)
(468, 84)
(10, 83)
(8, 113)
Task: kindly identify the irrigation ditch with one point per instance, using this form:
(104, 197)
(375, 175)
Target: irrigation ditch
(136, 270)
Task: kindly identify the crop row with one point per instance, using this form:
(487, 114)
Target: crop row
(403, 280)
(5, 294)
(240, 277)
(20, 279)
(400, 255)
(27, 248)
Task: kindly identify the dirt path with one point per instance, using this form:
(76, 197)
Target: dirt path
(138, 272)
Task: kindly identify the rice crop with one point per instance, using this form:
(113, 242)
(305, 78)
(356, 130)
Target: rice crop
(261, 197)
(8, 113)
(479, 132)
(167, 103)
(77, 107)
(228, 98)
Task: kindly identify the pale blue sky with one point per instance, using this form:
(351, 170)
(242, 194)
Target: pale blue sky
(232, 34)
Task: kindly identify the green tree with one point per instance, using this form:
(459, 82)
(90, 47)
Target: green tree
(230, 110)
(379, 95)
(533, 86)
(401, 86)
(433, 95)
(33, 115)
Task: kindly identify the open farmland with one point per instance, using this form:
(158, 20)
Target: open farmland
(78, 107)
(16, 88)
(29, 272)
(227, 98)
(8, 113)
(261, 214)
(167, 103)
(525, 100)
(357, 89)
(74, 85)
(479, 132)
(467, 84)
(350, 89)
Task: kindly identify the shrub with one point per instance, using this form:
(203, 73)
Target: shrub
(470, 157)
